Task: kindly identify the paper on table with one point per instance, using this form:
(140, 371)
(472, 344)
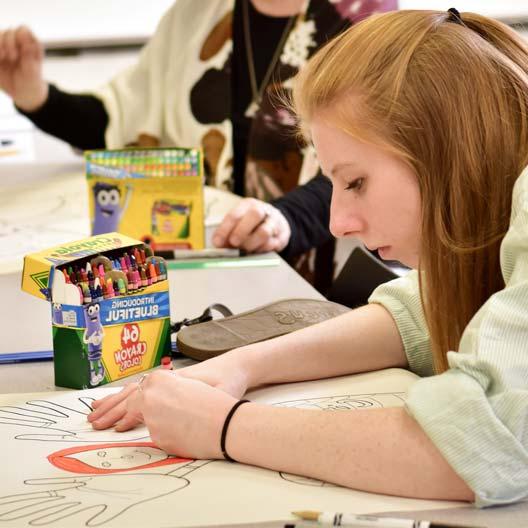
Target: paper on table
(152, 490)
(47, 213)
(40, 215)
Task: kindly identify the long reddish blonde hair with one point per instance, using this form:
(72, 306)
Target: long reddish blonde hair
(452, 100)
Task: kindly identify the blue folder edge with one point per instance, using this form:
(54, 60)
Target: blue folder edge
(20, 357)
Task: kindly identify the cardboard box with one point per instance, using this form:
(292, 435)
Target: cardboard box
(102, 336)
(154, 194)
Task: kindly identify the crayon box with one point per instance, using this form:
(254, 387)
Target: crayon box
(152, 194)
(110, 310)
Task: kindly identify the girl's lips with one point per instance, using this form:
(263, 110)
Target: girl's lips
(383, 250)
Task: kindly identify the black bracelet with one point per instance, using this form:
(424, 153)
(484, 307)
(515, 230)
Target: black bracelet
(226, 426)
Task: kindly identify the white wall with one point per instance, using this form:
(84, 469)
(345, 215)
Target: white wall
(71, 23)
(503, 10)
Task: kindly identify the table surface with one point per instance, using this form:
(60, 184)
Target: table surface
(26, 321)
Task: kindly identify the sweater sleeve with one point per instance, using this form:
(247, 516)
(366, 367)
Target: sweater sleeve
(401, 297)
(307, 209)
(135, 99)
(78, 119)
(476, 412)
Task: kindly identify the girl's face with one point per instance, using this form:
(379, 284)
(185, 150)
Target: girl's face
(375, 195)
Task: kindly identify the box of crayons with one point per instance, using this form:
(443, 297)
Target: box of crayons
(110, 307)
(154, 195)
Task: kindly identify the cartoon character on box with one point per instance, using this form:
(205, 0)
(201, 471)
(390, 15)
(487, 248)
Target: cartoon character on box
(57, 314)
(93, 337)
(170, 218)
(108, 210)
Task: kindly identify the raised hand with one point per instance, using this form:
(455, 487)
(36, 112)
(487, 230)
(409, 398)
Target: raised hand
(21, 56)
(50, 421)
(255, 226)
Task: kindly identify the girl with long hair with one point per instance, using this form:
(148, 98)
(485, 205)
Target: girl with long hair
(420, 120)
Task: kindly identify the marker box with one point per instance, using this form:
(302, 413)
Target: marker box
(102, 333)
(152, 194)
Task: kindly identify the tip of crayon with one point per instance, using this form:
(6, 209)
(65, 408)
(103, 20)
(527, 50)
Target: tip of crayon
(307, 515)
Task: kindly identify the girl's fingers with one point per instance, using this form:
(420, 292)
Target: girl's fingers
(101, 407)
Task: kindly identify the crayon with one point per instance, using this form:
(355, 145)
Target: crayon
(152, 273)
(121, 286)
(103, 290)
(157, 268)
(137, 278)
(143, 275)
(166, 363)
(109, 289)
(98, 294)
(87, 298)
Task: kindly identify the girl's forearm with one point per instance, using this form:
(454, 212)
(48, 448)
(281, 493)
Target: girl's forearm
(362, 340)
(381, 451)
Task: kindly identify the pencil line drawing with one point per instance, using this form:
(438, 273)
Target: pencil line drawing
(348, 402)
(101, 497)
(60, 423)
(111, 473)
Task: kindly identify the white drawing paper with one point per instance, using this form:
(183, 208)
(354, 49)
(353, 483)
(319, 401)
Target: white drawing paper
(57, 471)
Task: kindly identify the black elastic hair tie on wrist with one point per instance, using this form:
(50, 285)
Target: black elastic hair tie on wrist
(225, 428)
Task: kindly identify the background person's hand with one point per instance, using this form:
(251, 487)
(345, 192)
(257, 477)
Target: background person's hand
(255, 226)
(21, 56)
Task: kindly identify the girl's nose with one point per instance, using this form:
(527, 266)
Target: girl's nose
(345, 220)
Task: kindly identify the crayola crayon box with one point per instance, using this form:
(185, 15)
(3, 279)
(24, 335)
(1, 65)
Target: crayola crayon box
(154, 194)
(109, 301)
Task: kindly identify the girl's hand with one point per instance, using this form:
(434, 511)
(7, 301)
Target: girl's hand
(108, 411)
(184, 416)
(225, 373)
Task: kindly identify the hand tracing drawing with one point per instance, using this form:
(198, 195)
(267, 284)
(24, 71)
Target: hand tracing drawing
(75, 476)
(59, 423)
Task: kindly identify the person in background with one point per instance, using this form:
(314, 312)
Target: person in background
(420, 119)
(209, 77)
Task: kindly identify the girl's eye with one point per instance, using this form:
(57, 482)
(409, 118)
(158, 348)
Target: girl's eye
(355, 185)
